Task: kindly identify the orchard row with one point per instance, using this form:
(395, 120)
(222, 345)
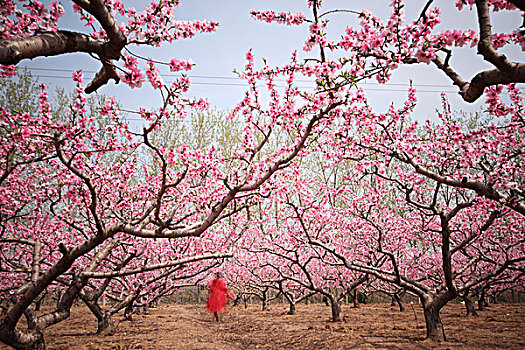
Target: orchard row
(301, 191)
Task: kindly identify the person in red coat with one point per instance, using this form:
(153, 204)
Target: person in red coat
(218, 296)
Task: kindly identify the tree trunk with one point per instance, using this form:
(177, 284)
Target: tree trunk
(336, 309)
(356, 300)
(435, 330)
(37, 304)
(58, 296)
(291, 310)
(106, 325)
(32, 339)
(481, 305)
(4, 306)
(128, 312)
(482, 301)
(469, 305)
(397, 299)
(198, 295)
(265, 304)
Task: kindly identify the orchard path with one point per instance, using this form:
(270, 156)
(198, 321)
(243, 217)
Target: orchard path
(373, 326)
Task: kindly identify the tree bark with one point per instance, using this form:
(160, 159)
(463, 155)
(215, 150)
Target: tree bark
(104, 319)
(335, 306)
(291, 310)
(397, 299)
(106, 325)
(469, 306)
(56, 43)
(265, 303)
(32, 339)
(482, 301)
(355, 299)
(435, 330)
(128, 312)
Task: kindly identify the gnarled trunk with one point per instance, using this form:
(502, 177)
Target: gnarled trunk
(434, 325)
(106, 325)
(104, 318)
(128, 311)
(482, 301)
(435, 330)
(265, 302)
(291, 310)
(335, 306)
(469, 306)
(355, 299)
(32, 339)
(365, 298)
(397, 299)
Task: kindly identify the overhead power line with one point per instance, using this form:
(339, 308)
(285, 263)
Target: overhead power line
(368, 86)
(164, 75)
(379, 86)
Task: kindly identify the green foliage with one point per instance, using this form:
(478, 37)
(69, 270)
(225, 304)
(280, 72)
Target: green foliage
(201, 130)
(20, 93)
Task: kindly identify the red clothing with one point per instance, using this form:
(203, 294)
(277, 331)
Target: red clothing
(218, 296)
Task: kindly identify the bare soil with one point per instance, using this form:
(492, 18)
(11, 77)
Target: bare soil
(372, 326)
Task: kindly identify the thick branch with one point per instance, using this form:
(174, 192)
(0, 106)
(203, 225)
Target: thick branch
(117, 40)
(505, 72)
(13, 51)
(61, 42)
(102, 77)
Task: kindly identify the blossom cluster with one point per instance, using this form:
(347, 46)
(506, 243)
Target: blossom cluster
(178, 65)
(134, 77)
(36, 18)
(281, 17)
(153, 75)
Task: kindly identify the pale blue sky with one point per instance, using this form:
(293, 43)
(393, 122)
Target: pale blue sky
(217, 54)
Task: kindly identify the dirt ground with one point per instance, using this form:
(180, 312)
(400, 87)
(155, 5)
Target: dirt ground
(373, 326)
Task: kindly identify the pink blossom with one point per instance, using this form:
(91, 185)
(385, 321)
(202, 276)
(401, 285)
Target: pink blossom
(177, 65)
(78, 77)
(7, 71)
(182, 84)
(500, 40)
(282, 17)
(426, 56)
(153, 75)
